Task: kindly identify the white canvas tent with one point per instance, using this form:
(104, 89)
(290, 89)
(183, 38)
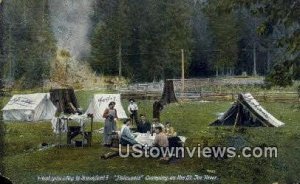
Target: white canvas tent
(29, 107)
(247, 112)
(100, 102)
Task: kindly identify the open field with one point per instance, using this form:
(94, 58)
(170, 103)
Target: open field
(24, 162)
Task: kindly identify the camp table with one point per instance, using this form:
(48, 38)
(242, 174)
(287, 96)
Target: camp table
(145, 139)
(73, 131)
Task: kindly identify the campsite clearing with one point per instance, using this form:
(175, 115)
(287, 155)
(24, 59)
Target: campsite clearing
(23, 162)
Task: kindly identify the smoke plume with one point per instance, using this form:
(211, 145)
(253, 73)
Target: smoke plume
(71, 23)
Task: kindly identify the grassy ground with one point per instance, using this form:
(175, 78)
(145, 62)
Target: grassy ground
(24, 162)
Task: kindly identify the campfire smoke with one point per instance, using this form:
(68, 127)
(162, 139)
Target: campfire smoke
(70, 21)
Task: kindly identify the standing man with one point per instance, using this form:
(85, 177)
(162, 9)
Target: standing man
(133, 111)
(157, 108)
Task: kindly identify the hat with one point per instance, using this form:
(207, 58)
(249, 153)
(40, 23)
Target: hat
(159, 125)
(112, 103)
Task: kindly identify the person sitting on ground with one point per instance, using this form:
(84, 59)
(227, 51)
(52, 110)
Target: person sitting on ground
(169, 130)
(144, 126)
(161, 140)
(156, 123)
(126, 137)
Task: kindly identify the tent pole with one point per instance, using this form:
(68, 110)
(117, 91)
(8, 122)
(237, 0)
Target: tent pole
(92, 120)
(237, 117)
(59, 128)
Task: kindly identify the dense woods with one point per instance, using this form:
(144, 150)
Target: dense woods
(144, 36)
(28, 42)
(1, 44)
(141, 40)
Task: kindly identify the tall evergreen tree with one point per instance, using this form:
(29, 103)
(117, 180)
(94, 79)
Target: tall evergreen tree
(226, 34)
(29, 42)
(2, 130)
(284, 14)
(1, 43)
(109, 37)
(202, 44)
(146, 36)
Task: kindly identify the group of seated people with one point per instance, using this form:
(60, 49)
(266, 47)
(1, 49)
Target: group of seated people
(165, 136)
(145, 126)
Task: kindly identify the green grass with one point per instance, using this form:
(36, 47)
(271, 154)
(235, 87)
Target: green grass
(24, 163)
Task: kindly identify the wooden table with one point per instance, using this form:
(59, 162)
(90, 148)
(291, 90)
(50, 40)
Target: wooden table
(73, 131)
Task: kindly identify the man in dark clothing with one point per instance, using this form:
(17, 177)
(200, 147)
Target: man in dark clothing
(143, 126)
(157, 107)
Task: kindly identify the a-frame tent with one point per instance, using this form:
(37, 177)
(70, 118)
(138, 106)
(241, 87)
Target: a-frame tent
(246, 111)
(29, 107)
(100, 102)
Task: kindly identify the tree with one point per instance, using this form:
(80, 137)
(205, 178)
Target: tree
(281, 75)
(168, 95)
(252, 41)
(109, 37)
(144, 35)
(64, 100)
(1, 44)
(1, 86)
(29, 42)
(202, 43)
(226, 37)
(279, 14)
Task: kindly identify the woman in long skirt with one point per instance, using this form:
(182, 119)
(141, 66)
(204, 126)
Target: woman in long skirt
(110, 115)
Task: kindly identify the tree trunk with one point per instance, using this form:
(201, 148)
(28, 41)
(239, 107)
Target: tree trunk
(168, 95)
(223, 71)
(268, 61)
(2, 134)
(298, 90)
(120, 59)
(64, 100)
(2, 130)
(254, 59)
(182, 71)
